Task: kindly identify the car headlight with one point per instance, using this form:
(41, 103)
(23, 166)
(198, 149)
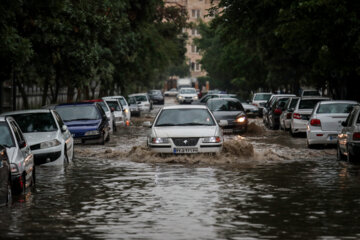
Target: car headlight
(126, 110)
(159, 140)
(50, 144)
(211, 140)
(195, 98)
(241, 119)
(180, 97)
(94, 132)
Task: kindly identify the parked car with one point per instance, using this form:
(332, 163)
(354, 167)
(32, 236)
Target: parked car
(156, 96)
(171, 93)
(124, 106)
(285, 117)
(87, 122)
(134, 107)
(21, 159)
(274, 111)
(259, 100)
(108, 111)
(204, 99)
(302, 112)
(117, 110)
(269, 103)
(187, 95)
(48, 137)
(230, 110)
(348, 143)
(143, 101)
(325, 121)
(184, 129)
(310, 92)
(5, 178)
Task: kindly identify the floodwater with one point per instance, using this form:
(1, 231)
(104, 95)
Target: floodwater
(265, 185)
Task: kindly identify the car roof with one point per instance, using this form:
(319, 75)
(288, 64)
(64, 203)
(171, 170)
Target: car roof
(111, 99)
(314, 97)
(185, 107)
(137, 94)
(75, 104)
(338, 101)
(224, 98)
(118, 96)
(27, 111)
(262, 93)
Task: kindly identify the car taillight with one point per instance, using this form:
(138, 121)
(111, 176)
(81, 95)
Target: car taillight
(277, 111)
(297, 116)
(315, 122)
(288, 115)
(356, 136)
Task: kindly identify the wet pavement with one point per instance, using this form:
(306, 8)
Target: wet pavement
(265, 185)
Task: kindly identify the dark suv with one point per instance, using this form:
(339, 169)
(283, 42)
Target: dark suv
(156, 96)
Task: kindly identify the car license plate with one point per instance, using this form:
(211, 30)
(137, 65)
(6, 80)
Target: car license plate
(333, 137)
(185, 150)
(77, 140)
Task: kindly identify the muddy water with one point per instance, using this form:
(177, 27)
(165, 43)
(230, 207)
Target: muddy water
(265, 185)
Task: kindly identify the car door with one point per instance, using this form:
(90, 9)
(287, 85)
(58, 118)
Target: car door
(65, 134)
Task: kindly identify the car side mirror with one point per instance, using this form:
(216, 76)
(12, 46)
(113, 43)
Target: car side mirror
(223, 123)
(147, 124)
(22, 144)
(343, 124)
(64, 128)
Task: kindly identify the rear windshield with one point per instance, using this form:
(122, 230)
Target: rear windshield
(141, 98)
(132, 101)
(5, 136)
(114, 104)
(308, 103)
(225, 105)
(79, 112)
(185, 117)
(187, 91)
(262, 97)
(335, 108)
(36, 122)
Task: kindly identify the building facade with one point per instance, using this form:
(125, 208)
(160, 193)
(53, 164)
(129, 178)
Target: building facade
(197, 10)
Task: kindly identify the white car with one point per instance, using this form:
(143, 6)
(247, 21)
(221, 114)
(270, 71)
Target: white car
(325, 121)
(302, 112)
(187, 95)
(348, 144)
(117, 110)
(143, 101)
(285, 117)
(185, 129)
(21, 159)
(49, 138)
(124, 104)
(259, 100)
(172, 92)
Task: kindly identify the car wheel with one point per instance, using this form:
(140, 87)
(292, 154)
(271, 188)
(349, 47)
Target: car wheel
(339, 155)
(310, 146)
(292, 133)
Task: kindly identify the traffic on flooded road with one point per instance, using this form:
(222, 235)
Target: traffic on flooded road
(263, 184)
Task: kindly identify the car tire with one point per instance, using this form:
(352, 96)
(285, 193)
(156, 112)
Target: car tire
(339, 155)
(310, 146)
(114, 128)
(293, 134)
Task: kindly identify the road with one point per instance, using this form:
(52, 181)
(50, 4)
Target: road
(265, 185)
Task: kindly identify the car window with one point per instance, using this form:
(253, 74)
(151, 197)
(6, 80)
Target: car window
(104, 107)
(205, 98)
(78, 112)
(225, 105)
(132, 101)
(187, 91)
(308, 103)
(36, 122)
(141, 98)
(59, 120)
(18, 135)
(262, 97)
(114, 104)
(184, 117)
(335, 108)
(122, 101)
(350, 118)
(293, 103)
(6, 138)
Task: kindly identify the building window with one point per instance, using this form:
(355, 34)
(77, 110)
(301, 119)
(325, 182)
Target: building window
(194, 32)
(197, 67)
(192, 66)
(195, 13)
(194, 49)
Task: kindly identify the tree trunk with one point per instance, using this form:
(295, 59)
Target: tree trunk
(45, 92)
(70, 93)
(23, 95)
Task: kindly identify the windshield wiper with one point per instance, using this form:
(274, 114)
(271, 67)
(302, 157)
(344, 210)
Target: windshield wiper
(166, 125)
(193, 124)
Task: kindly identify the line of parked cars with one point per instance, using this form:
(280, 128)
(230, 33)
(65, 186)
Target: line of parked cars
(323, 120)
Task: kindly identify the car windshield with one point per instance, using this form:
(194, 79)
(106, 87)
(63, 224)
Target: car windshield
(185, 117)
(262, 97)
(78, 112)
(293, 103)
(311, 93)
(122, 101)
(132, 101)
(114, 104)
(104, 107)
(188, 91)
(335, 108)
(36, 122)
(155, 92)
(141, 98)
(5, 136)
(225, 105)
(308, 103)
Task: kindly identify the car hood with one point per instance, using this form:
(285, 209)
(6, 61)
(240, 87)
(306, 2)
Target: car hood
(83, 123)
(39, 137)
(249, 106)
(223, 115)
(188, 94)
(185, 131)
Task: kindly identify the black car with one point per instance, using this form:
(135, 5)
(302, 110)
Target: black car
(5, 177)
(229, 109)
(156, 96)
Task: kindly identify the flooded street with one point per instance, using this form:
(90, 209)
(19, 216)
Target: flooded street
(265, 185)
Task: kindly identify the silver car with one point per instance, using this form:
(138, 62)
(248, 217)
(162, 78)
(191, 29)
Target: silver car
(143, 101)
(187, 95)
(325, 121)
(117, 110)
(348, 144)
(185, 129)
(124, 105)
(19, 154)
(49, 138)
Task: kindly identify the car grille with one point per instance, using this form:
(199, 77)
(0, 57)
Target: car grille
(188, 97)
(185, 141)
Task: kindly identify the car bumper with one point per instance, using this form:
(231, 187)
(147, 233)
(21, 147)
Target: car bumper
(321, 137)
(298, 125)
(49, 158)
(199, 148)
